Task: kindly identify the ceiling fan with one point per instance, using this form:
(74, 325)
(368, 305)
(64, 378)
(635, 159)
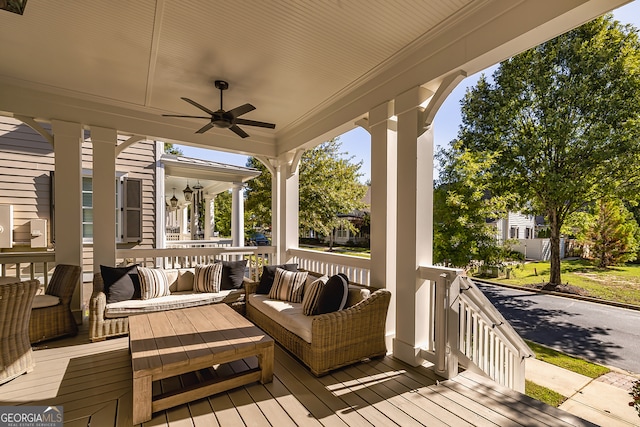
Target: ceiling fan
(225, 119)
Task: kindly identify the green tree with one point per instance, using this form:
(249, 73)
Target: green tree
(461, 208)
(562, 121)
(329, 185)
(222, 213)
(614, 235)
(169, 148)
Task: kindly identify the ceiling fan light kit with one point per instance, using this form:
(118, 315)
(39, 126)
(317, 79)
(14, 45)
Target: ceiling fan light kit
(224, 119)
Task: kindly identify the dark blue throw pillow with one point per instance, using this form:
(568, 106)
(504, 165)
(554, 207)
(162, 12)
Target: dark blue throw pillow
(120, 283)
(269, 273)
(333, 295)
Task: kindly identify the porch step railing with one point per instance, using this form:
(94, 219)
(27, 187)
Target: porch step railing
(469, 332)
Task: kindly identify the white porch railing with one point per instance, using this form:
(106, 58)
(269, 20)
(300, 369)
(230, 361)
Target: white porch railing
(257, 256)
(470, 332)
(221, 243)
(27, 265)
(356, 268)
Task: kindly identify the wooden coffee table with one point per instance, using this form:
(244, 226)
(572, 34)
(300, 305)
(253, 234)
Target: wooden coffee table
(169, 343)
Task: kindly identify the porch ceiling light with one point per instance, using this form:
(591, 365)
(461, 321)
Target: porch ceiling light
(15, 6)
(188, 192)
(174, 200)
(198, 186)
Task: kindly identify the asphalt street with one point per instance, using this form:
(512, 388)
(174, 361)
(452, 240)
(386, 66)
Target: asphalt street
(596, 332)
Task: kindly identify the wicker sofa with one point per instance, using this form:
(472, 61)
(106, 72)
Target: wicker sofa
(16, 356)
(332, 340)
(112, 320)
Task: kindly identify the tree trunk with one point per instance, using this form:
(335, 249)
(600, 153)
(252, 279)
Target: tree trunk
(554, 278)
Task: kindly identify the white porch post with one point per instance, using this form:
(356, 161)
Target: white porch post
(237, 214)
(285, 196)
(183, 219)
(161, 202)
(209, 219)
(104, 143)
(383, 206)
(67, 149)
(414, 225)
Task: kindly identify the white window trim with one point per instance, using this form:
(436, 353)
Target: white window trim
(88, 173)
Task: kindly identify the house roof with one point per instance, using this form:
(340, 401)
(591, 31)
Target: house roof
(215, 177)
(311, 67)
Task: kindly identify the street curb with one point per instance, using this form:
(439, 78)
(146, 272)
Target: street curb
(560, 294)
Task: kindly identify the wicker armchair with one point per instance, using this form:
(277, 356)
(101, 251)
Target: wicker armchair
(56, 320)
(16, 356)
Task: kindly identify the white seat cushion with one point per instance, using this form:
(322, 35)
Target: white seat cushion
(169, 302)
(42, 301)
(288, 314)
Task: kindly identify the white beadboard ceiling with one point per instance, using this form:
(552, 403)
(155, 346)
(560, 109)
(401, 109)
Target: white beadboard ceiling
(289, 58)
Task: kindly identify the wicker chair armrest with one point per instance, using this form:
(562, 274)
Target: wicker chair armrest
(98, 301)
(357, 323)
(250, 287)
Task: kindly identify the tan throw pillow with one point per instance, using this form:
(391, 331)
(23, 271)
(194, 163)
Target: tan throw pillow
(288, 285)
(153, 283)
(311, 294)
(207, 278)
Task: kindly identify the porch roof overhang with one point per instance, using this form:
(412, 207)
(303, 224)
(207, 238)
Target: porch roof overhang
(312, 68)
(215, 177)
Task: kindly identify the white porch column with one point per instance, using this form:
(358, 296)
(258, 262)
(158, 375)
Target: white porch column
(184, 219)
(209, 218)
(237, 214)
(161, 201)
(414, 225)
(67, 149)
(104, 143)
(285, 197)
(383, 206)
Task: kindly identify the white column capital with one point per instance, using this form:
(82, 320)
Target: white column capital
(409, 100)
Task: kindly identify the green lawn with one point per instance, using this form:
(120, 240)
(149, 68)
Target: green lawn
(562, 360)
(621, 284)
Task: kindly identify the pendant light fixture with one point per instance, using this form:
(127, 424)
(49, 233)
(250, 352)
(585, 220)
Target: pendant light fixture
(174, 200)
(188, 192)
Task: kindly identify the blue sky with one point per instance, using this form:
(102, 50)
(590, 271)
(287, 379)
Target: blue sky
(356, 143)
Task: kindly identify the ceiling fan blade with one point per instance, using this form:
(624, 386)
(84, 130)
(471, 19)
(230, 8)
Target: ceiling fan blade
(195, 104)
(255, 123)
(243, 109)
(188, 117)
(205, 128)
(239, 132)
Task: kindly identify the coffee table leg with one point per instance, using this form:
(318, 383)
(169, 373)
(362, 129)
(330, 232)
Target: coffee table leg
(265, 361)
(141, 399)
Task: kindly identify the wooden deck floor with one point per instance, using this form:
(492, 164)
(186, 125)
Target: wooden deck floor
(92, 381)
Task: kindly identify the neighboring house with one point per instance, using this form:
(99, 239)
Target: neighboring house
(515, 226)
(27, 188)
(521, 231)
(359, 219)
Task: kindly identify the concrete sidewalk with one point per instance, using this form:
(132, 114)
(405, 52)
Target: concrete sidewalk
(603, 401)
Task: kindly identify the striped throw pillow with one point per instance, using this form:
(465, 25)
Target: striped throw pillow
(311, 294)
(288, 285)
(153, 283)
(207, 278)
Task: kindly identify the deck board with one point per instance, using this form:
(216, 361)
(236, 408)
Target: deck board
(93, 381)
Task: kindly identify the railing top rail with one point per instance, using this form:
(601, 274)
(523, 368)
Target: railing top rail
(23, 257)
(156, 252)
(338, 259)
(432, 272)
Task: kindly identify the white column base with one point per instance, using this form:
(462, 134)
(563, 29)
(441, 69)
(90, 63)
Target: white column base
(407, 353)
